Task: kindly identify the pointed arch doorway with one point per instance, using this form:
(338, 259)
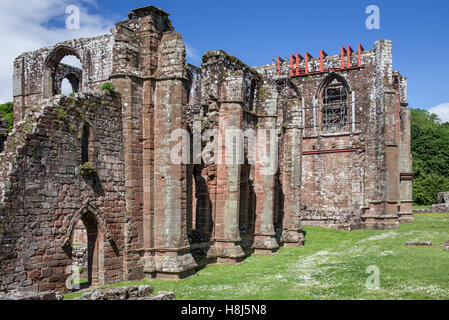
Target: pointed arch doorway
(93, 273)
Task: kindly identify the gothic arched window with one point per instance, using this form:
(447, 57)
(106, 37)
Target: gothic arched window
(334, 106)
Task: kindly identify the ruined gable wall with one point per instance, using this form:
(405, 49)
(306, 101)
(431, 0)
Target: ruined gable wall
(334, 186)
(42, 190)
(339, 188)
(95, 55)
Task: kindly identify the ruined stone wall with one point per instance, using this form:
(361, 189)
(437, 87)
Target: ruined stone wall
(349, 180)
(45, 192)
(334, 187)
(32, 70)
(147, 216)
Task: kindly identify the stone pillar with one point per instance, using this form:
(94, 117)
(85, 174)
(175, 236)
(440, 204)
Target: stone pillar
(292, 235)
(227, 234)
(405, 158)
(172, 249)
(406, 170)
(229, 161)
(384, 199)
(19, 89)
(148, 174)
(391, 155)
(264, 187)
(132, 139)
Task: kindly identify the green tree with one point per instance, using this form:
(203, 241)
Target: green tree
(430, 150)
(7, 113)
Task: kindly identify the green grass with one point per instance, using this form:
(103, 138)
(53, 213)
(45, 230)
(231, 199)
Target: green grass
(332, 265)
(420, 207)
(79, 281)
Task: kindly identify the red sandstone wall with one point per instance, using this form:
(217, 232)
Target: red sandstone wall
(43, 190)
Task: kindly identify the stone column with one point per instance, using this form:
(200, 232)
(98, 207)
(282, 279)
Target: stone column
(384, 197)
(264, 187)
(405, 156)
(148, 174)
(132, 140)
(19, 89)
(292, 235)
(391, 213)
(172, 249)
(406, 169)
(229, 160)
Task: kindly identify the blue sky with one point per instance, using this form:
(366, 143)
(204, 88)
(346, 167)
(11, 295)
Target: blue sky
(258, 31)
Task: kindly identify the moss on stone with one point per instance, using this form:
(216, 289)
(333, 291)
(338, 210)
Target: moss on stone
(62, 114)
(210, 54)
(262, 93)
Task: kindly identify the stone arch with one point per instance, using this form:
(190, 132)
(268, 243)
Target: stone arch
(203, 206)
(333, 100)
(328, 80)
(286, 92)
(97, 236)
(74, 81)
(50, 66)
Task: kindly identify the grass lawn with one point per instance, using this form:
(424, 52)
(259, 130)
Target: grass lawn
(420, 207)
(332, 265)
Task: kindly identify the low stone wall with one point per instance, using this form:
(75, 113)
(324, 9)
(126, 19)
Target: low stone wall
(23, 295)
(436, 208)
(127, 293)
(121, 293)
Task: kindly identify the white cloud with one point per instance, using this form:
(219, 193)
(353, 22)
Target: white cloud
(441, 111)
(192, 55)
(24, 26)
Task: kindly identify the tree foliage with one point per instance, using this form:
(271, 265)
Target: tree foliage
(6, 110)
(430, 150)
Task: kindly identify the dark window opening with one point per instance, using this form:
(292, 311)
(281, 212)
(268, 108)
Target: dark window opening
(251, 97)
(85, 145)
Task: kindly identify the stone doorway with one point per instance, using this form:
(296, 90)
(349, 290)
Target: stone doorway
(87, 252)
(80, 255)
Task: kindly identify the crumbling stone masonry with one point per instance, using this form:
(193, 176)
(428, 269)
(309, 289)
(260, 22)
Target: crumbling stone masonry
(341, 134)
(441, 207)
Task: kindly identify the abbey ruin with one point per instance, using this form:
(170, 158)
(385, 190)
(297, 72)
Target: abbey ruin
(342, 129)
